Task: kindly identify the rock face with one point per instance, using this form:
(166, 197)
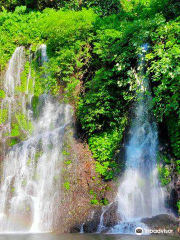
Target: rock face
(173, 192)
(111, 217)
(79, 185)
(162, 221)
(176, 193)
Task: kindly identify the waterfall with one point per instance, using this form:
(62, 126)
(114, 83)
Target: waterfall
(30, 186)
(82, 228)
(11, 82)
(101, 226)
(140, 194)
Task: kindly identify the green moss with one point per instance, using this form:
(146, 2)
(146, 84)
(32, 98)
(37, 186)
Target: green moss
(3, 116)
(2, 94)
(34, 104)
(15, 132)
(20, 128)
(38, 90)
(13, 142)
(68, 162)
(24, 124)
(38, 155)
(29, 162)
(24, 78)
(65, 153)
(66, 185)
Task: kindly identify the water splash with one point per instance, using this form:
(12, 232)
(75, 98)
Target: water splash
(30, 186)
(128, 228)
(140, 194)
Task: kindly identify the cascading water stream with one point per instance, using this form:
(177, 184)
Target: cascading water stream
(101, 226)
(140, 194)
(82, 228)
(11, 83)
(30, 186)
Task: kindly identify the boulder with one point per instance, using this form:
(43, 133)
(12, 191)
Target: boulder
(162, 221)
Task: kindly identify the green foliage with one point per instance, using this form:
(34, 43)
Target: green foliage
(103, 147)
(173, 124)
(132, 9)
(164, 175)
(149, 8)
(163, 60)
(104, 202)
(68, 34)
(109, 89)
(96, 201)
(17, 28)
(105, 7)
(166, 160)
(164, 66)
(178, 166)
(178, 205)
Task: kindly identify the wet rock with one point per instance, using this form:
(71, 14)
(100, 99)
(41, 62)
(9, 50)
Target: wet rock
(111, 216)
(75, 229)
(90, 226)
(161, 221)
(110, 219)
